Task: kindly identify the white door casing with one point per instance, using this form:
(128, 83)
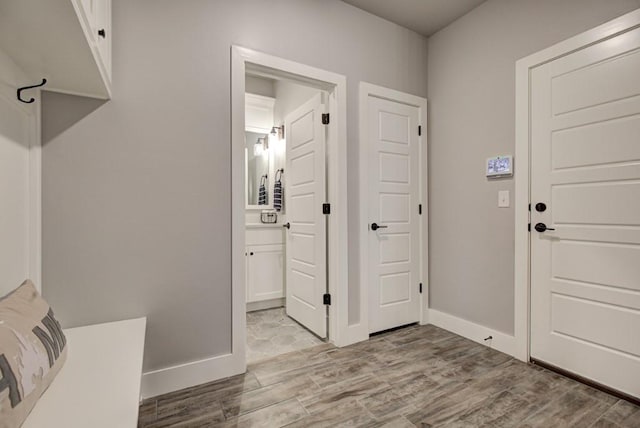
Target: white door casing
(394, 198)
(305, 193)
(585, 166)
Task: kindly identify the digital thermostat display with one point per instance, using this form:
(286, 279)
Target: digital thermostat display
(500, 166)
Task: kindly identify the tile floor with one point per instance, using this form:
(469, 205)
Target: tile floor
(420, 376)
(271, 332)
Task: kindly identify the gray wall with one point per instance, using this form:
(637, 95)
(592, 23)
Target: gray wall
(136, 217)
(260, 86)
(289, 96)
(471, 83)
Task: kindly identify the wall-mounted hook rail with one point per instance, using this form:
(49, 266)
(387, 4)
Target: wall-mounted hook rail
(44, 82)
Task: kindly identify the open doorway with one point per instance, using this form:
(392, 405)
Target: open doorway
(289, 228)
(286, 264)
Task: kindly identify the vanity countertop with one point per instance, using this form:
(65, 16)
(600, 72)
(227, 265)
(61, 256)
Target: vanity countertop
(263, 225)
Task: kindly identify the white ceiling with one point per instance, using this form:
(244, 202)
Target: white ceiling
(422, 16)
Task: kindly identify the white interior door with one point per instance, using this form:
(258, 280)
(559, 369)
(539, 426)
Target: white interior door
(394, 231)
(305, 193)
(585, 167)
(14, 195)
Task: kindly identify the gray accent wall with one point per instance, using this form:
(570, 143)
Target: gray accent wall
(136, 215)
(471, 91)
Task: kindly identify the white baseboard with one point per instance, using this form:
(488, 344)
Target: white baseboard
(500, 341)
(182, 376)
(266, 304)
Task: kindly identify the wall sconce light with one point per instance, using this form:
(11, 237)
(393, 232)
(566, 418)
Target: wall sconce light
(276, 138)
(277, 132)
(261, 146)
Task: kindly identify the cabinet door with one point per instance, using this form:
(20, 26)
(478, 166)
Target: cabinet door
(88, 12)
(265, 267)
(102, 31)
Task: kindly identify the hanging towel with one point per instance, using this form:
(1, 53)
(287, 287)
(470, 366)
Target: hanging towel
(262, 191)
(277, 191)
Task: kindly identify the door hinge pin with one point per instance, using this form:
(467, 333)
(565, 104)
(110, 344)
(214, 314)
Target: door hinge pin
(419, 130)
(326, 209)
(420, 209)
(420, 288)
(326, 299)
(325, 118)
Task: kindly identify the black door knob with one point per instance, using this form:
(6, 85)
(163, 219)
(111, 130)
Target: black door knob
(287, 225)
(541, 207)
(541, 227)
(376, 226)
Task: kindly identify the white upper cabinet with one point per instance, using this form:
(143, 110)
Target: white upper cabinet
(68, 42)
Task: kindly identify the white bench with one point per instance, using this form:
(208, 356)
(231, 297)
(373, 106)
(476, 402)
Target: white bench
(99, 384)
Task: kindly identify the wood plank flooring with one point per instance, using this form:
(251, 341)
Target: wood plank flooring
(419, 376)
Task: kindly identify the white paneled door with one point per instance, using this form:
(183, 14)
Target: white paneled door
(585, 190)
(305, 193)
(394, 231)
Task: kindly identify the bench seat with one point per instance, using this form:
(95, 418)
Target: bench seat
(99, 384)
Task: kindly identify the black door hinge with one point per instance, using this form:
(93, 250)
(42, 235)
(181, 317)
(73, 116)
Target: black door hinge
(326, 299)
(420, 130)
(529, 207)
(529, 227)
(326, 208)
(420, 288)
(420, 209)
(325, 118)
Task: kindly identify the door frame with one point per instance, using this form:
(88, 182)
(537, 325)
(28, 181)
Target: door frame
(367, 90)
(524, 67)
(243, 59)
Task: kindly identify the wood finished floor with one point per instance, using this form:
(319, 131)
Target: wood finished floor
(419, 376)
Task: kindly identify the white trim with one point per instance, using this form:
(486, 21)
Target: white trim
(35, 196)
(169, 379)
(524, 66)
(478, 333)
(33, 114)
(367, 90)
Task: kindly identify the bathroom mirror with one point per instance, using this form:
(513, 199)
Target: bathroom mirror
(258, 170)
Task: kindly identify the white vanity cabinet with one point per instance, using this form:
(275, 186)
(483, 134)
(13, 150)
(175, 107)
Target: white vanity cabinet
(67, 42)
(265, 263)
(265, 272)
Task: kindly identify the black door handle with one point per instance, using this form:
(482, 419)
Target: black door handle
(376, 226)
(541, 227)
(287, 225)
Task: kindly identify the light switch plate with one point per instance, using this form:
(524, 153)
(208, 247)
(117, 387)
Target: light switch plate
(503, 199)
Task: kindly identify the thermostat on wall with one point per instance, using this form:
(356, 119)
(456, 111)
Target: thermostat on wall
(500, 166)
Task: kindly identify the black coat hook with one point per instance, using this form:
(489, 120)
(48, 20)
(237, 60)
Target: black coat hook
(44, 82)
